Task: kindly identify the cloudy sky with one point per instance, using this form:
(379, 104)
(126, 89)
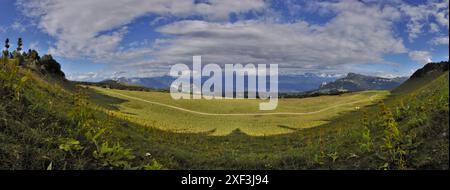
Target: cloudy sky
(98, 39)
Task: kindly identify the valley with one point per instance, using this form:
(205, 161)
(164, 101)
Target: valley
(52, 123)
(221, 117)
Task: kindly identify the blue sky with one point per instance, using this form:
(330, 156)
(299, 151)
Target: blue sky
(99, 39)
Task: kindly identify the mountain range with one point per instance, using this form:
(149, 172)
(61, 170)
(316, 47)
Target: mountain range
(286, 83)
(356, 82)
(308, 82)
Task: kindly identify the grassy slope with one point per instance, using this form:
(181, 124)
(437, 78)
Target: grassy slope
(420, 109)
(48, 124)
(174, 120)
(27, 124)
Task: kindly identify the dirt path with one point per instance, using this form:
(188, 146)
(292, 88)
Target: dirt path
(239, 114)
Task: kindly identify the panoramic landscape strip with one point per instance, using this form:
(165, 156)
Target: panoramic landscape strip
(224, 93)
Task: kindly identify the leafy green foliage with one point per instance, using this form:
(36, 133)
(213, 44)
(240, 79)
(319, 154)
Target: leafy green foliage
(393, 140)
(70, 145)
(113, 157)
(51, 65)
(366, 138)
(153, 165)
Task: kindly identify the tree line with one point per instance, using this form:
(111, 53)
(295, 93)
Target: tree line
(31, 59)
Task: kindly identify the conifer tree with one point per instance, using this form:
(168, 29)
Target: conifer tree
(6, 51)
(7, 44)
(19, 45)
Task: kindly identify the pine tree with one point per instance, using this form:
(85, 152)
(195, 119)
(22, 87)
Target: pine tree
(17, 53)
(7, 44)
(19, 45)
(6, 51)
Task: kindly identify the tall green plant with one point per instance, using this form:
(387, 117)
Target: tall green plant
(394, 152)
(366, 139)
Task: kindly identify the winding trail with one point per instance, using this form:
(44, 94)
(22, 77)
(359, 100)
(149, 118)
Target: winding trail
(239, 114)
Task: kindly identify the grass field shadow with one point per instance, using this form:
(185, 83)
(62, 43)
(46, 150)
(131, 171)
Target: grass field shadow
(287, 127)
(104, 100)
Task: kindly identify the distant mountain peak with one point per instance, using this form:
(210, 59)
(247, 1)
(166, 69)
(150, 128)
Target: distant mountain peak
(359, 82)
(353, 74)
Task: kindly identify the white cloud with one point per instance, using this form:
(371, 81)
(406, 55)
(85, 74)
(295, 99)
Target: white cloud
(18, 27)
(34, 45)
(220, 10)
(434, 27)
(89, 76)
(157, 20)
(443, 40)
(423, 15)
(422, 57)
(96, 76)
(358, 34)
(81, 27)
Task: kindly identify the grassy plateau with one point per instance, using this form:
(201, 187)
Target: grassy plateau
(221, 117)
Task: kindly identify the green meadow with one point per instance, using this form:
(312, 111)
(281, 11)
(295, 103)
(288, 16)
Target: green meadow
(47, 122)
(221, 117)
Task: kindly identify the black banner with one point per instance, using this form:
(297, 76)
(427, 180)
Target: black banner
(229, 179)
